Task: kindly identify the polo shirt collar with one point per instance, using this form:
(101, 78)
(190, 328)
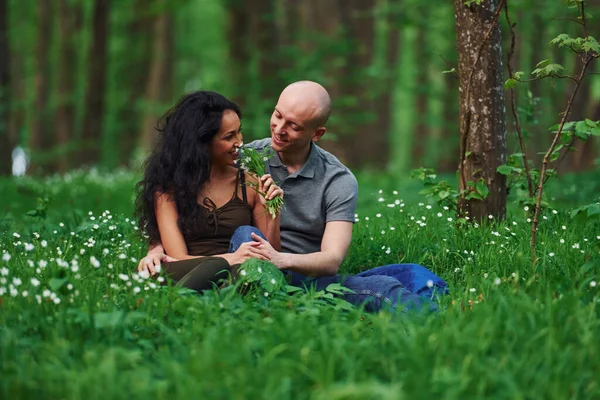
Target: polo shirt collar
(308, 169)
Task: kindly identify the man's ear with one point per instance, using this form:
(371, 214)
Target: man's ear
(319, 132)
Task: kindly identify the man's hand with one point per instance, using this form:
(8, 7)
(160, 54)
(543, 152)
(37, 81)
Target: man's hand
(275, 257)
(246, 251)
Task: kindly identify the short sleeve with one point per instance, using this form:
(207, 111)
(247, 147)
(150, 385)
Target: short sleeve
(341, 196)
(259, 144)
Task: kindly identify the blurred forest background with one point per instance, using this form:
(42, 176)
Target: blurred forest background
(84, 81)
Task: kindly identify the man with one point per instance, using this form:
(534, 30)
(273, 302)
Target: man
(320, 201)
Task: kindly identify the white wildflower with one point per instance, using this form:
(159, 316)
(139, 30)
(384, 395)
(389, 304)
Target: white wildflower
(94, 261)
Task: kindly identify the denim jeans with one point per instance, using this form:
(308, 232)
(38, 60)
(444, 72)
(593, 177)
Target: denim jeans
(242, 235)
(417, 279)
(382, 288)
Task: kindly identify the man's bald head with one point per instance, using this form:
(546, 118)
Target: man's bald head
(311, 97)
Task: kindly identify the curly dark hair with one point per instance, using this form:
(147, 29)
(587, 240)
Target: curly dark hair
(180, 162)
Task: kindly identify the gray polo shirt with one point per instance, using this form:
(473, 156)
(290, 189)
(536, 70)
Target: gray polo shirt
(323, 190)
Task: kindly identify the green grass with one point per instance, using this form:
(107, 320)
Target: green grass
(507, 330)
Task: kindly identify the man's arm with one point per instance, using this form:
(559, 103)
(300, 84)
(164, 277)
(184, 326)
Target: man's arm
(335, 243)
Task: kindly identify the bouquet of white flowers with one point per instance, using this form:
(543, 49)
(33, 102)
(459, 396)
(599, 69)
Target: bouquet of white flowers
(255, 163)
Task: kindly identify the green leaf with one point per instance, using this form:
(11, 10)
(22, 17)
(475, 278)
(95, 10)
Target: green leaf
(581, 126)
(595, 131)
(443, 194)
(482, 189)
(591, 123)
(337, 288)
(505, 169)
(510, 83)
(56, 283)
(590, 44)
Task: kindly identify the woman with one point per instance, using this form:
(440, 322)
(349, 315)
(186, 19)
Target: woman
(193, 198)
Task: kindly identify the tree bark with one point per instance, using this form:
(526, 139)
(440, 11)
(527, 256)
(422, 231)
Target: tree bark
(482, 108)
(70, 21)
(40, 121)
(139, 33)
(5, 141)
(96, 88)
(158, 79)
(421, 132)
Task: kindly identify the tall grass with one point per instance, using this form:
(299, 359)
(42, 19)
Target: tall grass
(75, 322)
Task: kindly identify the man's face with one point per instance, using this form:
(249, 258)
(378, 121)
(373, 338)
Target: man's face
(292, 129)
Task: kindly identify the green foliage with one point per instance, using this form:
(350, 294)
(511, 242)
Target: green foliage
(547, 69)
(441, 192)
(478, 190)
(588, 213)
(101, 325)
(577, 44)
(255, 162)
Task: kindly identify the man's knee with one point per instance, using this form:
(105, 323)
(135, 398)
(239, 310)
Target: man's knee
(242, 235)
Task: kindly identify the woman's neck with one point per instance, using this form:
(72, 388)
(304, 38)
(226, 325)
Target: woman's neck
(219, 173)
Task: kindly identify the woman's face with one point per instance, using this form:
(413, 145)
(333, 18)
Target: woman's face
(223, 148)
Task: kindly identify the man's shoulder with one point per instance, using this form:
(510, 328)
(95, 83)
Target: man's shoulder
(259, 144)
(331, 163)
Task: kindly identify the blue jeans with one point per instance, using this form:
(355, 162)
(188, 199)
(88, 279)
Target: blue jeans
(243, 235)
(417, 279)
(394, 287)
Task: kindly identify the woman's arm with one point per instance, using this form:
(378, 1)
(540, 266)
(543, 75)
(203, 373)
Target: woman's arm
(260, 217)
(166, 217)
(174, 243)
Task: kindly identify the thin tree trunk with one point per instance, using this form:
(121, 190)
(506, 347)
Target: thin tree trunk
(580, 111)
(482, 108)
(69, 20)
(40, 120)
(96, 89)
(239, 48)
(6, 144)
(154, 86)
(539, 138)
(139, 33)
(422, 132)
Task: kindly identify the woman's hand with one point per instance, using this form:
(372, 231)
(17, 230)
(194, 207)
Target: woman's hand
(151, 263)
(267, 185)
(246, 251)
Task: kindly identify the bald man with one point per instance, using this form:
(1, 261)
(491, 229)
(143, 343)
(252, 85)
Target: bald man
(320, 202)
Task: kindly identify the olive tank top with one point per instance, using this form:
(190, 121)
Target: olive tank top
(212, 233)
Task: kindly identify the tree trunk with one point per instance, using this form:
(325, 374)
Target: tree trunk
(70, 18)
(95, 91)
(239, 49)
(421, 132)
(40, 121)
(539, 137)
(5, 143)
(139, 33)
(581, 110)
(447, 161)
(482, 111)
(157, 80)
